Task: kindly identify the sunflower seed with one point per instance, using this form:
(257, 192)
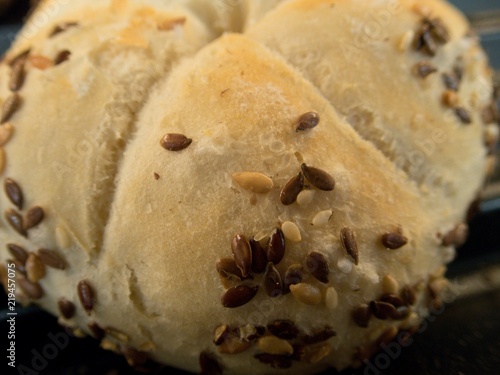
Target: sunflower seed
(61, 57)
(423, 69)
(14, 193)
(274, 345)
(209, 364)
(6, 131)
(331, 298)
(275, 361)
(62, 27)
(66, 308)
(237, 296)
(463, 115)
(16, 221)
(307, 121)
(317, 265)
(51, 259)
(35, 269)
(349, 243)
(242, 254)
(272, 281)
(86, 295)
(305, 197)
(293, 275)
(253, 181)
(175, 142)
(275, 249)
(10, 106)
(18, 252)
(17, 76)
(318, 178)
(291, 231)
(33, 217)
(284, 329)
(292, 189)
(306, 293)
(32, 290)
(394, 240)
(361, 315)
(259, 260)
(322, 218)
(97, 331)
(319, 336)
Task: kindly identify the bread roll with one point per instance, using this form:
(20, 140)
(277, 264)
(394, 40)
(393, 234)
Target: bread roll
(241, 186)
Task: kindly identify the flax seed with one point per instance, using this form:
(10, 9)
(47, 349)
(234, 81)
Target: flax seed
(259, 260)
(175, 142)
(14, 193)
(62, 27)
(238, 296)
(292, 189)
(318, 336)
(18, 252)
(242, 253)
(317, 265)
(86, 295)
(318, 178)
(293, 275)
(361, 315)
(66, 308)
(32, 290)
(284, 329)
(51, 259)
(16, 221)
(394, 240)
(308, 121)
(33, 217)
(10, 106)
(275, 361)
(463, 115)
(349, 243)
(17, 76)
(272, 283)
(423, 69)
(61, 57)
(275, 249)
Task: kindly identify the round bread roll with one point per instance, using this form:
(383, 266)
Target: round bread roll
(244, 186)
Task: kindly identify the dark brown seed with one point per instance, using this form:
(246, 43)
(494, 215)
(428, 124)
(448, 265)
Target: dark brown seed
(32, 290)
(283, 329)
(10, 106)
(175, 142)
(426, 43)
(275, 360)
(408, 295)
(394, 300)
(361, 315)
(221, 334)
(316, 264)
(209, 364)
(293, 276)
(259, 260)
(242, 254)
(62, 57)
(86, 295)
(16, 221)
(23, 56)
(275, 249)
(51, 259)
(14, 193)
(463, 115)
(292, 189)
(457, 236)
(402, 312)
(227, 268)
(156, 176)
(272, 281)
(490, 114)
(33, 217)
(97, 331)
(66, 308)
(19, 266)
(237, 296)
(423, 69)
(318, 178)
(382, 310)
(134, 357)
(319, 336)
(63, 26)
(307, 121)
(349, 243)
(18, 252)
(394, 240)
(439, 31)
(17, 76)
(451, 81)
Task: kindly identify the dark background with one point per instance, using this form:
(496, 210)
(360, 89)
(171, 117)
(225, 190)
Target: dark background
(463, 340)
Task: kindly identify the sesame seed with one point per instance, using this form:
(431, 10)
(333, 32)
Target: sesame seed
(406, 40)
(322, 218)
(275, 361)
(387, 336)
(463, 115)
(316, 264)
(344, 265)
(259, 260)
(319, 336)
(331, 298)
(18, 252)
(242, 254)
(305, 197)
(274, 345)
(349, 243)
(361, 315)
(117, 335)
(308, 121)
(255, 182)
(175, 142)
(318, 178)
(14, 193)
(291, 231)
(33, 217)
(292, 189)
(61, 57)
(15, 220)
(423, 69)
(31, 289)
(238, 296)
(10, 106)
(437, 286)
(275, 249)
(293, 275)
(306, 293)
(66, 308)
(35, 269)
(17, 75)
(62, 27)
(51, 259)
(394, 240)
(390, 285)
(6, 131)
(284, 329)
(209, 364)
(86, 295)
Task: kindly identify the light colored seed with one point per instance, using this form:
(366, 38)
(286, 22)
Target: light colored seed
(62, 238)
(254, 182)
(35, 269)
(390, 285)
(274, 345)
(305, 197)
(6, 131)
(331, 298)
(40, 62)
(306, 293)
(344, 265)
(291, 231)
(314, 354)
(2, 160)
(109, 345)
(437, 286)
(233, 345)
(118, 335)
(406, 40)
(322, 218)
(439, 273)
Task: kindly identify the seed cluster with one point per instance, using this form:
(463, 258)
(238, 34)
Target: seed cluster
(431, 34)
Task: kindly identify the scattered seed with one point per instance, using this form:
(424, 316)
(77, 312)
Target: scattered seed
(425, 43)
(275, 361)
(117, 335)
(272, 281)
(382, 310)
(393, 299)
(349, 243)
(319, 336)
(307, 121)
(14, 193)
(406, 40)
(17, 76)
(463, 115)
(293, 276)
(315, 353)
(322, 218)
(62, 238)
(51, 259)
(317, 265)
(284, 329)
(10, 106)
(209, 364)
(490, 114)
(390, 285)
(175, 142)
(274, 345)
(32, 290)
(402, 312)
(16, 221)
(61, 57)
(408, 295)
(227, 268)
(66, 308)
(259, 260)
(33, 217)
(6, 131)
(431, 33)
(361, 315)
(305, 197)
(86, 295)
(97, 331)
(291, 231)
(275, 249)
(237, 296)
(61, 27)
(242, 254)
(439, 31)
(451, 81)
(233, 345)
(437, 286)
(423, 69)
(253, 181)
(331, 298)
(250, 333)
(394, 240)
(40, 62)
(18, 252)
(318, 178)
(220, 334)
(35, 269)
(292, 189)
(156, 176)
(306, 293)
(457, 236)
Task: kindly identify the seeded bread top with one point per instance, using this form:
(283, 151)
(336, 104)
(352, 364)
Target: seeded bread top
(184, 195)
